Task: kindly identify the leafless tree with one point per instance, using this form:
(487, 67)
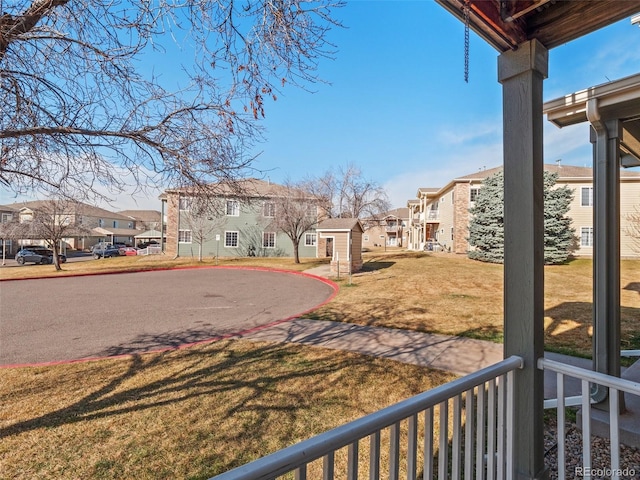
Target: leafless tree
(348, 194)
(296, 212)
(203, 218)
(80, 112)
(53, 221)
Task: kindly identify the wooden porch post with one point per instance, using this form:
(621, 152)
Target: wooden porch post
(606, 246)
(521, 73)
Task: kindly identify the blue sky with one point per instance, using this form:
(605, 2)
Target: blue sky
(396, 104)
(398, 107)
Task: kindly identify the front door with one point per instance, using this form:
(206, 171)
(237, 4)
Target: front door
(329, 252)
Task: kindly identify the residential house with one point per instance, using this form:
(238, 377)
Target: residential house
(388, 229)
(7, 215)
(144, 219)
(98, 223)
(242, 223)
(148, 223)
(443, 214)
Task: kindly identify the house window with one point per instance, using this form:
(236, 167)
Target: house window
(453, 196)
(6, 217)
(269, 209)
(233, 208)
(231, 239)
(268, 239)
(586, 237)
(184, 236)
(311, 210)
(130, 225)
(310, 239)
(451, 233)
(366, 238)
(473, 194)
(184, 203)
(115, 224)
(100, 222)
(586, 196)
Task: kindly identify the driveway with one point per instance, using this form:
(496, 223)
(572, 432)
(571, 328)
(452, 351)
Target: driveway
(72, 318)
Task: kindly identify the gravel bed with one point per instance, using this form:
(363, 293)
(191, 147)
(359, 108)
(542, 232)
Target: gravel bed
(600, 455)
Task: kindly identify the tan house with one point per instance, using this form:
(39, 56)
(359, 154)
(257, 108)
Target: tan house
(440, 217)
(388, 229)
(101, 224)
(341, 240)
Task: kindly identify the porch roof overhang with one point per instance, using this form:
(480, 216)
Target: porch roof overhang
(618, 100)
(507, 24)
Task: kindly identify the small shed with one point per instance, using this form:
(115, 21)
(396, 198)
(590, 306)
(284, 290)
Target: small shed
(341, 240)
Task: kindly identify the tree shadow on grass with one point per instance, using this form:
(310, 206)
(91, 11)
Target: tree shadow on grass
(571, 326)
(239, 379)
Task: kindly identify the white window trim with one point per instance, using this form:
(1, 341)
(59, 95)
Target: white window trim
(237, 239)
(190, 236)
(582, 229)
(263, 240)
(184, 202)
(308, 236)
(590, 203)
(271, 206)
(236, 208)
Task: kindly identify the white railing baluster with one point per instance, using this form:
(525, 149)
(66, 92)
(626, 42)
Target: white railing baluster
(510, 423)
(480, 433)
(469, 429)
(352, 461)
(374, 455)
(456, 440)
(586, 428)
(428, 444)
(328, 466)
(412, 448)
(500, 458)
(394, 451)
(443, 453)
(491, 430)
(560, 417)
(614, 412)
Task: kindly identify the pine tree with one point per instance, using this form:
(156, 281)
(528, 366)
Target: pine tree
(559, 237)
(486, 229)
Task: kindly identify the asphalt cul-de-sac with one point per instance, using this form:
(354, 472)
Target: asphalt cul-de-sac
(71, 318)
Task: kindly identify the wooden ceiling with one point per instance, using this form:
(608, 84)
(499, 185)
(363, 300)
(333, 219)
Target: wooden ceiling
(505, 24)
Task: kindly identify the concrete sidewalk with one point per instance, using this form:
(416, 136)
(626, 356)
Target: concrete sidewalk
(452, 354)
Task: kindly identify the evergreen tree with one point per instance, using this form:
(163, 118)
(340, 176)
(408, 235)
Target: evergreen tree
(486, 229)
(559, 238)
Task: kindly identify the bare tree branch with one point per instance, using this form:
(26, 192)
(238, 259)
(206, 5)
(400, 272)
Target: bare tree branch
(78, 109)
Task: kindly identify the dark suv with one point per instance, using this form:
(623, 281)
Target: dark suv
(35, 254)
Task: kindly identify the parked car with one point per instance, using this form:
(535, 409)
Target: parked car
(151, 243)
(105, 251)
(128, 251)
(37, 254)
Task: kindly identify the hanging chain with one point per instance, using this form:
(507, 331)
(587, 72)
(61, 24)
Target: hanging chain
(465, 10)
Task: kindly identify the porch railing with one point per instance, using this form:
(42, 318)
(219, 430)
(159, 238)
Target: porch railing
(456, 429)
(614, 385)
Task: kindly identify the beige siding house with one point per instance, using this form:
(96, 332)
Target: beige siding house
(443, 214)
(100, 224)
(389, 229)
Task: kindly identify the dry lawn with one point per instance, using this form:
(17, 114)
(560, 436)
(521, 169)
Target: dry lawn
(187, 414)
(450, 294)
